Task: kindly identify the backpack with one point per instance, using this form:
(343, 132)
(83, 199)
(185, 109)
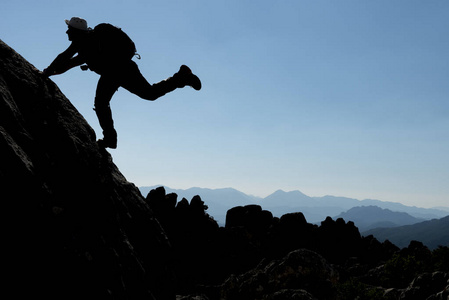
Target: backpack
(113, 43)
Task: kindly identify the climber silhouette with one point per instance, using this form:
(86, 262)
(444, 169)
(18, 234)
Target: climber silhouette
(108, 51)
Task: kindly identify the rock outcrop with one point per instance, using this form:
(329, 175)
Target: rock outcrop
(74, 227)
(258, 256)
(301, 270)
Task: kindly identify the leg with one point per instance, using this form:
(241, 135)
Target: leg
(105, 90)
(134, 82)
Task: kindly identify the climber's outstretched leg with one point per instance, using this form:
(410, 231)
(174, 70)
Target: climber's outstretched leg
(137, 84)
(128, 76)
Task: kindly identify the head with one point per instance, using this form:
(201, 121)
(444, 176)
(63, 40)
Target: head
(77, 28)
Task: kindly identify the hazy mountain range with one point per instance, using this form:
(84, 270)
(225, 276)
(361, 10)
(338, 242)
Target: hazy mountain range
(432, 233)
(315, 209)
(369, 217)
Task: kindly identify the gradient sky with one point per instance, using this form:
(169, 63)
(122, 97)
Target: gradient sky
(344, 98)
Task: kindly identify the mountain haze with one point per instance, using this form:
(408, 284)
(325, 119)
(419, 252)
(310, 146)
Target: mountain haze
(379, 219)
(219, 201)
(432, 233)
(315, 209)
(369, 217)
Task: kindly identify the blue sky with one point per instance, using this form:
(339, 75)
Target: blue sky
(347, 98)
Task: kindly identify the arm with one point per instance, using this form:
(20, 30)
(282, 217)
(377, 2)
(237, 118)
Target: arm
(63, 62)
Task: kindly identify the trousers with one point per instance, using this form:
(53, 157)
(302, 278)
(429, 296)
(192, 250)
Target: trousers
(128, 76)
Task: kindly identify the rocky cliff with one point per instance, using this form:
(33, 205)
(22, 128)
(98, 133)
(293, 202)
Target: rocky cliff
(74, 227)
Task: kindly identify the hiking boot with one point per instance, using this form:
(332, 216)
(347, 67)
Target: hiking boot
(109, 140)
(104, 143)
(186, 77)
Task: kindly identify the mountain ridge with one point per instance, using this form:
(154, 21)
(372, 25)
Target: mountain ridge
(430, 233)
(364, 217)
(315, 209)
(370, 217)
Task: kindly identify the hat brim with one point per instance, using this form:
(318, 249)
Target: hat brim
(71, 26)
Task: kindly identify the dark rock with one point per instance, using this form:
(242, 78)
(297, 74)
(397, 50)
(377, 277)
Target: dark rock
(255, 221)
(418, 251)
(338, 240)
(293, 220)
(290, 295)
(392, 293)
(374, 252)
(183, 204)
(299, 270)
(426, 285)
(76, 228)
(192, 233)
(293, 232)
(244, 216)
(196, 204)
(429, 286)
(192, 297)
(158, 201)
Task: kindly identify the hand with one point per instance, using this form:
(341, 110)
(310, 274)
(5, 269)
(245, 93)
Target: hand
(47, 73)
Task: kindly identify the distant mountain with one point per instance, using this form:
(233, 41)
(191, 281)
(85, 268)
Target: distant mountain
(370, 217)
(431, 233)
(315, 209)
(442, 208)
(418, 212)
(288, 199)
(219, 201)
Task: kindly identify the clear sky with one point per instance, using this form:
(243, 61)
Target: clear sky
(344, 98)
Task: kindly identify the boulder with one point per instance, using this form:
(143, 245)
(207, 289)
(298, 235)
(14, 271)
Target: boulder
(300, 270)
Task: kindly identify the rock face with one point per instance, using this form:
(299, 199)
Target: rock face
(194, 237)
(75, 228)
(258, 256)
(300, 271)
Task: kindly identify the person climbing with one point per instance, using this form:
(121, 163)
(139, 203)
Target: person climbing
(108, 51)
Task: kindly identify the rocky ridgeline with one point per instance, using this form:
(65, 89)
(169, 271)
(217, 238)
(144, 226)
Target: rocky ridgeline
(77, 229)
(258, 256)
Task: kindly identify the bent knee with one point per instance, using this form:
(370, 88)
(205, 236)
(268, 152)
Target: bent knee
(148, 96)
